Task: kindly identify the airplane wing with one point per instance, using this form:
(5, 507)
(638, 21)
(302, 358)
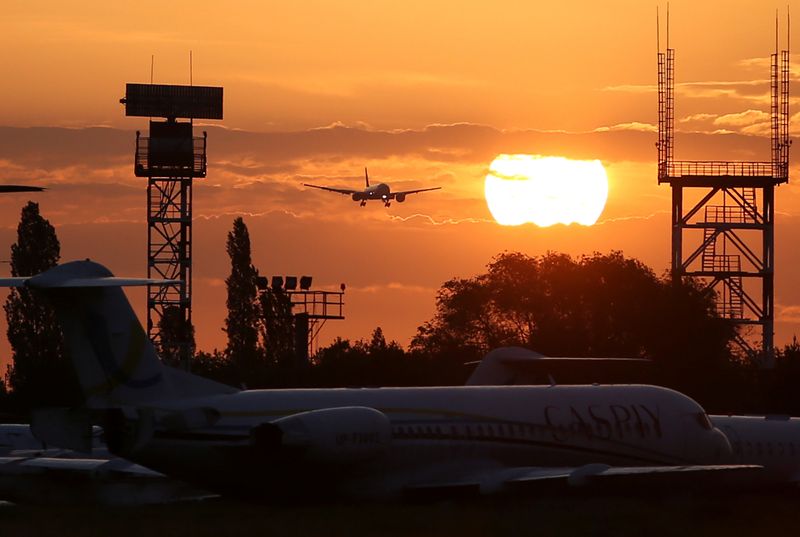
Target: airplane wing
(346, 191)
(46, 480)
(597, 476)
(19, 188)
(407, 192)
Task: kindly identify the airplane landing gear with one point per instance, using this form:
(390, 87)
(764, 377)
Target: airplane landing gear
(363, 203)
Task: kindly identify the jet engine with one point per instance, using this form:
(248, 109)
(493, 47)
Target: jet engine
(400, 198)
(357, 196)
(330, 435)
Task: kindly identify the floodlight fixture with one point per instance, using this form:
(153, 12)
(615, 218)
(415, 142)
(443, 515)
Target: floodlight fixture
(262, 283)
(277, 282)
(305, 283)
(290, 283)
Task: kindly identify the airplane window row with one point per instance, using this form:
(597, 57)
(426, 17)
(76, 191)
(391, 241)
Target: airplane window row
(501, 430)
(765, 448)
(511, 430)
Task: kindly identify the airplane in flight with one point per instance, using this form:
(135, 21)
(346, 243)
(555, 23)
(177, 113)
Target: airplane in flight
(374, 443)
(381, 192)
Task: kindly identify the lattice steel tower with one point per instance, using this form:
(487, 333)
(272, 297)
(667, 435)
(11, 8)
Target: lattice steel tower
(171, 158)
(731, 217)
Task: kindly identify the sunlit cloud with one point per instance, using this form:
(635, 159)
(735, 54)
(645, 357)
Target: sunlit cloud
(697, 117)
(630, 218)
(788, 314)
(392, 286)
(756, 91)
(630, 126)
(440, 222)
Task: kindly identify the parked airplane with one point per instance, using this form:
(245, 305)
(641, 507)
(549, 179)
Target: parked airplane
(384, 442)
(33, 472)
(769, 441)
(381, 192)
(17, 436)
(772, 442)
(17, 440)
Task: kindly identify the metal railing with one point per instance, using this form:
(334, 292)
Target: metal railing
(712, 168)
(153, 161)
(318, 304)
(726, 214)
(713, 262)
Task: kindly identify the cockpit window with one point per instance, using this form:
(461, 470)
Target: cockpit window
(703, 421)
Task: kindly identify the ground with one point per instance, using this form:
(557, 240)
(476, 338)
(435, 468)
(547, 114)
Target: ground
(684, 515)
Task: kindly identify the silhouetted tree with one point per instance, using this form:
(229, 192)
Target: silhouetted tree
(215, 366)
(277, 327)
(368, 363)
(377, 343)
(176, 335)
(41, 373)
(593, 306)
(242, 322)
(780, 385)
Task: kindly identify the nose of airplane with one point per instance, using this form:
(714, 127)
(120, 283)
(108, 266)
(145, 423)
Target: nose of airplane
(720, 446)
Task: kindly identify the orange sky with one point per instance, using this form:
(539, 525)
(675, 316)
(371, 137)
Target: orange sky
(421, 92)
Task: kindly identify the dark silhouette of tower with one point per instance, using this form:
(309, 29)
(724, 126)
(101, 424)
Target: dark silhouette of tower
(727, 210)
(171, 158)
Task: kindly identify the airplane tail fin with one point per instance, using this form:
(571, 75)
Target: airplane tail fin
(366, 176)
(115, 361)
(517, 365)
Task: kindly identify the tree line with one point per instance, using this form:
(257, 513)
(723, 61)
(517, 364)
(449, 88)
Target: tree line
(596, 305)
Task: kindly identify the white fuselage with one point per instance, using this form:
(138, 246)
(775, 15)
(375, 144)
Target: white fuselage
(773, 443)
(436, 432)
(17, 437)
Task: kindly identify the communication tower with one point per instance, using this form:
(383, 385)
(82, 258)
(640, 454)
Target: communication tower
(171, 158)
(731, 215)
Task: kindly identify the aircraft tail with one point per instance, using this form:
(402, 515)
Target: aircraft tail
(366, 176)
(115, 361)
(516, 365)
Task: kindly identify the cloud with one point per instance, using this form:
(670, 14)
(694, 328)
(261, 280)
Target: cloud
(90, 171)
(749, 122)
(633, 88)
(697, 117)
(742, 119)
(392, 286)
(756, 90)
(443, 222)
(788, 314)
(631, 126)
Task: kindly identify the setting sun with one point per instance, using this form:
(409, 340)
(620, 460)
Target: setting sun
(545, 190)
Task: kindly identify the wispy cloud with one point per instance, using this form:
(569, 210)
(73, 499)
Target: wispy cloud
(630, 126)
(788, 314)
(440, 222)
(392, 286)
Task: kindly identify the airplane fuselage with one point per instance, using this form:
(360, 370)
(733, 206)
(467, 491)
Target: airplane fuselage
(381, 191)
(429, 433)
(771, 442)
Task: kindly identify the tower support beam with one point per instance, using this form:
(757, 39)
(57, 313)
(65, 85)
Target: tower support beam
(736, 202)
(171, 158)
